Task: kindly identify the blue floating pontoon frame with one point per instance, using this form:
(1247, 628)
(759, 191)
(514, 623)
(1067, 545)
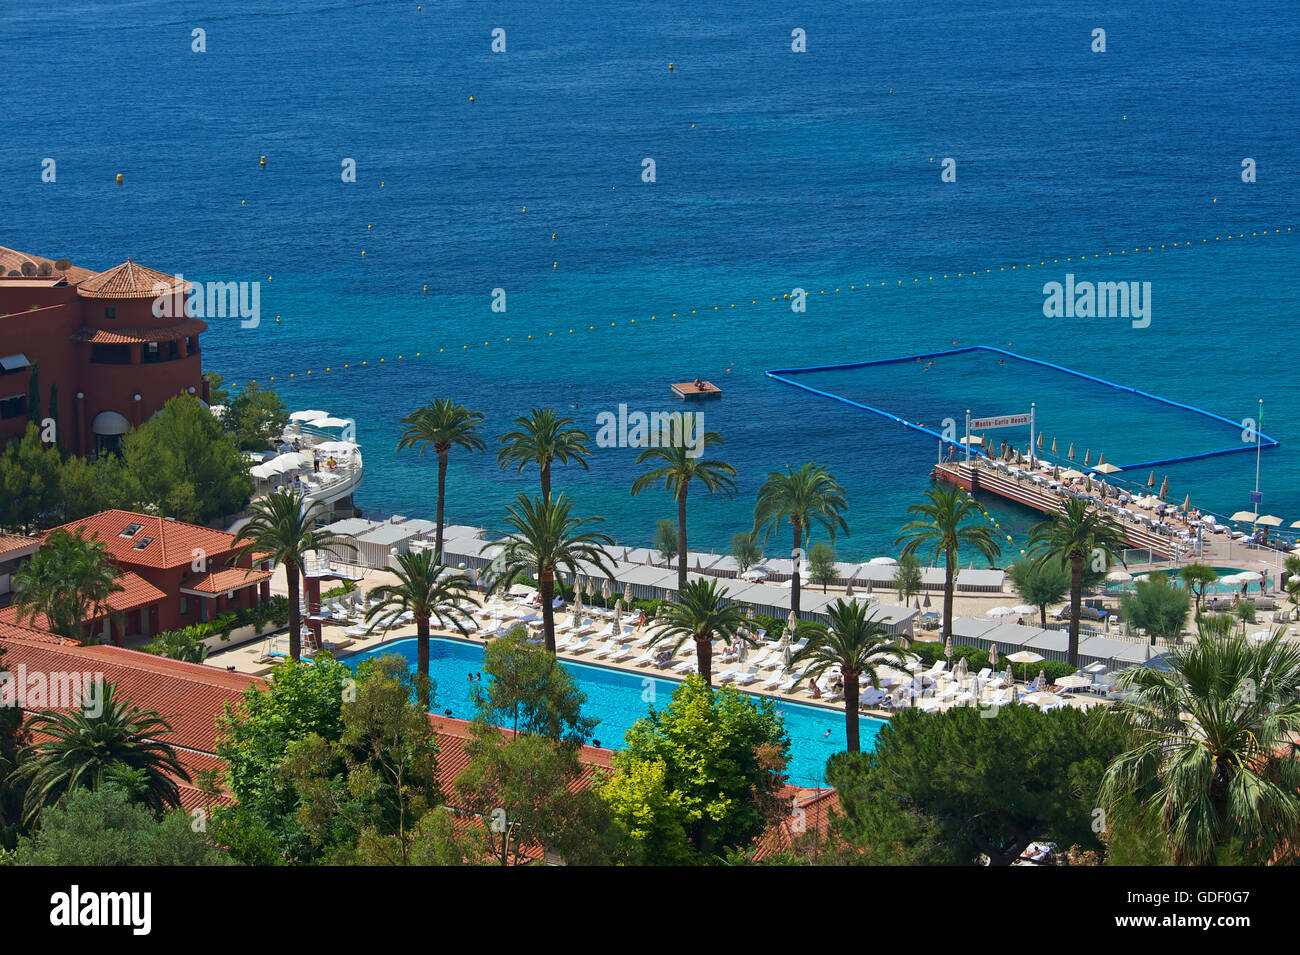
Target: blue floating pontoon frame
(785, 376)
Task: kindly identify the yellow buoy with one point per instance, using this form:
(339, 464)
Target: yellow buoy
(363, 252)
(670, 67)
(243, 202)
(471, 99)
(119, 179)
(262, 162)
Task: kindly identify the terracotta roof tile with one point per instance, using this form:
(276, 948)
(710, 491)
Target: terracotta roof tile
(12, 260)
(130, 336)
(219, 581)
(188, 695)
(172, 543)
(13, 543)
(129, 280)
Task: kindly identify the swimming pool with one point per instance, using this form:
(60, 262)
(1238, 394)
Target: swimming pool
(1212, 589)
(618, 698)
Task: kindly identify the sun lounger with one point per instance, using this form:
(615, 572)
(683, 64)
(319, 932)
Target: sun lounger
(606, 650)
(646, 658)
(748, 677)
(581, 645)
(686, 666)
(728, 676)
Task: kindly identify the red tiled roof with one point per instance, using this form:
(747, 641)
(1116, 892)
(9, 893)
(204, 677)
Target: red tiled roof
(219, 581)
(131, 336)
(13, 543)
(12, 261)
(130, 280)
(173, 542)
(188, 695)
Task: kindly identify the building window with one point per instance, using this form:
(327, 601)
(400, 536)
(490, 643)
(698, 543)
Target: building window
(110, 354)
(185, 606)
(110, 313)
(159, 351)
(15, 406)
(192, 345)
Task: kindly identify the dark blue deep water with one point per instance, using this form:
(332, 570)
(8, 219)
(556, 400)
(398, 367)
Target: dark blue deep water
(774, 170)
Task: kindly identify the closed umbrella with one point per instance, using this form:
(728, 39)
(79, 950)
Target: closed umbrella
(577, 602)
(618, 610)
(947, 647)
(993, 656)
(605, 591)
(1054, 451)
(1040, 441)
(1151, 479)
(1101, 459)
(1187, 503)
(1070, 453)
(1164, 488)
(627, 595)
(1087, 458)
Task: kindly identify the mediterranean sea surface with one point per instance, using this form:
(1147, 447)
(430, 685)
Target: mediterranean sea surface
(773, 170)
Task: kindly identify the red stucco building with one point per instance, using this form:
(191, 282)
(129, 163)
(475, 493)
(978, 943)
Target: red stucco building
(172, 574)
(94, 336)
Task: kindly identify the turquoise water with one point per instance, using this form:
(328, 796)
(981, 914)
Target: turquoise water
(775, 170)
(619, 698)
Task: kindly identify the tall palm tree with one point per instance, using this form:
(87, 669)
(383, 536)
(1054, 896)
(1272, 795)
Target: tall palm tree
(86, 748)
(69, 580)
(545, 540)
(1073, 537)
(442, 425)
(429, 592)
(283, 527)
(701, 613)
(682, 465)
(543, 437)
(856, 642)
(1212, 761)
(947, 521)
(804, 497)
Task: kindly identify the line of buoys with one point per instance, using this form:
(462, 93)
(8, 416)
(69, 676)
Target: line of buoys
(786, 295)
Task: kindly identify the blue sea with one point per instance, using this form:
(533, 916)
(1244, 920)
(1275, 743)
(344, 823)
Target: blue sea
(774, 170)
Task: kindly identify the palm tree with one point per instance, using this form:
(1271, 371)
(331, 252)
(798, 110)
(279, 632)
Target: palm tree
(1071, 537)
(1212, 761)
(86, 748)
(545, 539)
(908, 579)
(681, 465)
(283, 528)
(701, 613)
(69, 581)
(442, 425)
(803, 497)
(429, 592)
(855, 642)
(947, 521)
(542, 438)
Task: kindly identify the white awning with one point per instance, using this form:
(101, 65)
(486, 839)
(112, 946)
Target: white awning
(110, 423)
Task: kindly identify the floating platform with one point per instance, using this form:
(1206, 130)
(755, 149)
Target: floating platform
(690, 391)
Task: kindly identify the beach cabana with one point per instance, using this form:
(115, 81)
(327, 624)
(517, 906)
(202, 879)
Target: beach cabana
(647, 582)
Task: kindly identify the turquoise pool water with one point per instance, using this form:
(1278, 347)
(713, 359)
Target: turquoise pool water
(1217, 588)
(618, 698)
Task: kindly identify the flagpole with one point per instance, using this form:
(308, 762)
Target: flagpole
(1259, 423)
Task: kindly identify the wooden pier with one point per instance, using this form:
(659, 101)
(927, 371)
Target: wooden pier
(696, 390)
(985, 479)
